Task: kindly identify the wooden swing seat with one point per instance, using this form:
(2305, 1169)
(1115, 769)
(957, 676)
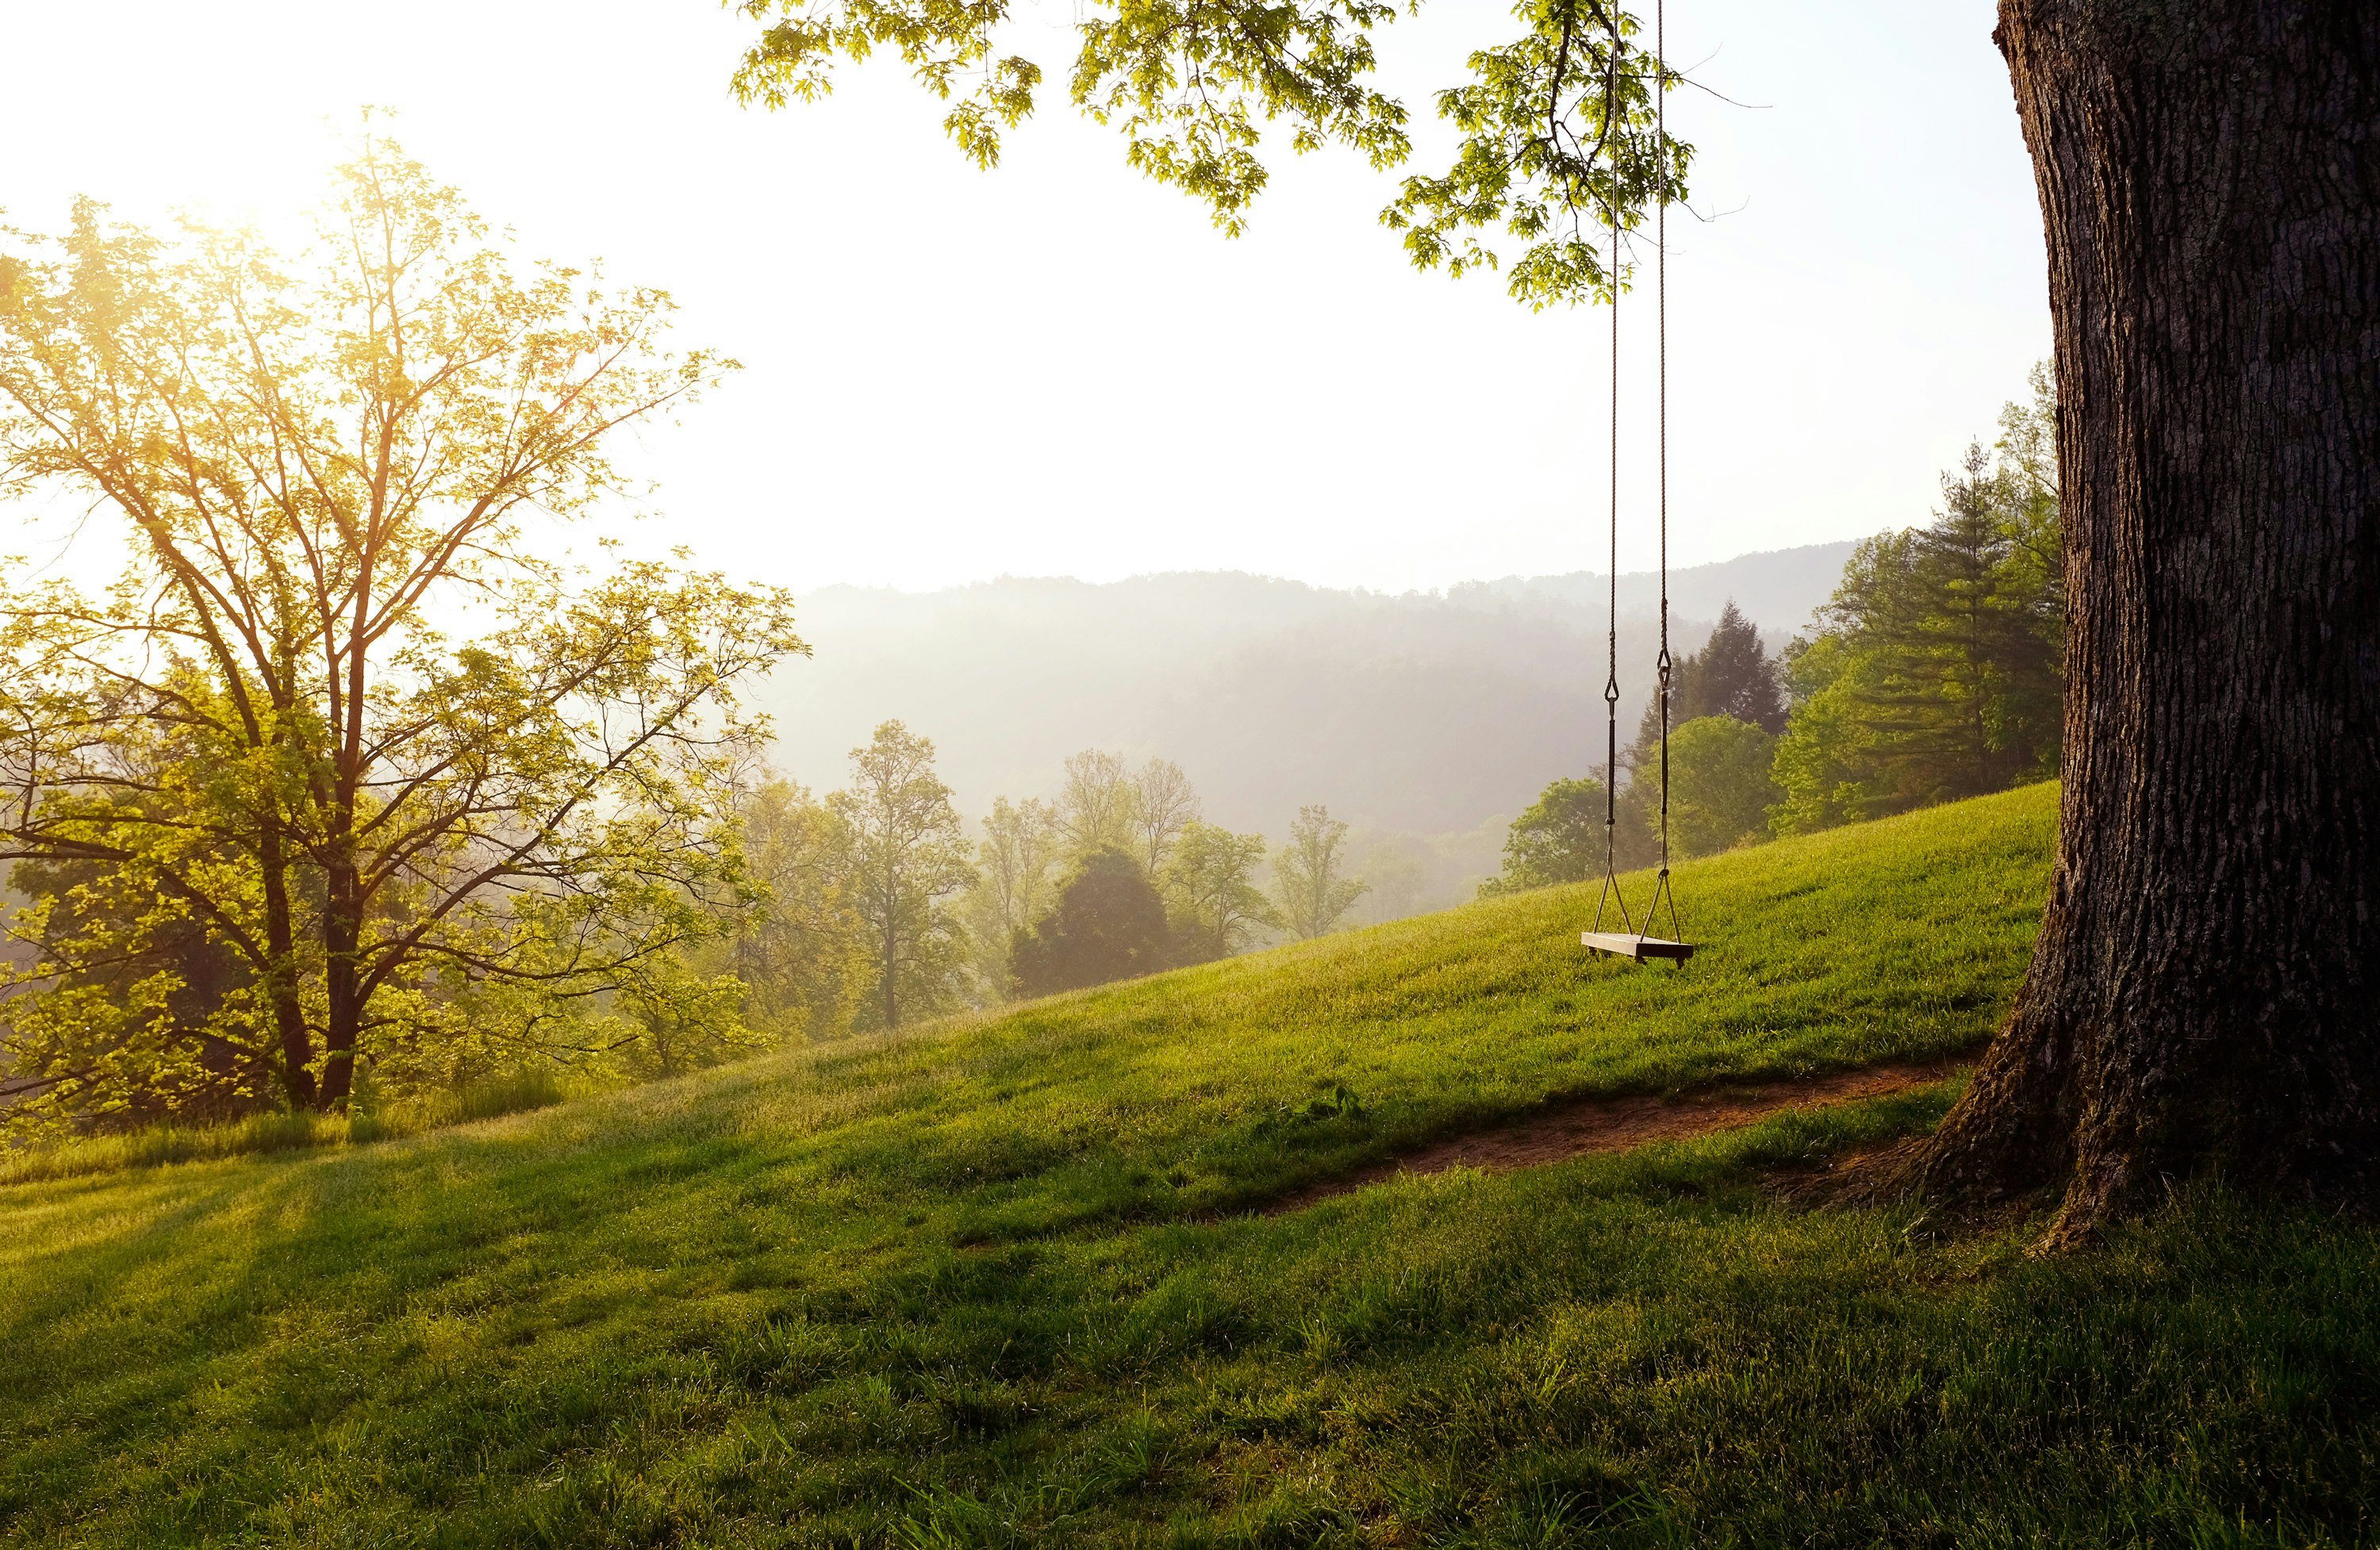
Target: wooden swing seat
(1628, 944)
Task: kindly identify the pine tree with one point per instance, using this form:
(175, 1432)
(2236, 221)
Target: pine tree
(1731, 675)
(1934, 672)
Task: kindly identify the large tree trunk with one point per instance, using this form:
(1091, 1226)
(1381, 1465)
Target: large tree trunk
(2203, 995)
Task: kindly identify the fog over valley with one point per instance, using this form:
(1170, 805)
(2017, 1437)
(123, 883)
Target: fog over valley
(1426, 719)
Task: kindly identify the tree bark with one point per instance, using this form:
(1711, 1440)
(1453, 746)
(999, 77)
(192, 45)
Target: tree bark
(342, 979)
(2202, 995)
(281, 977)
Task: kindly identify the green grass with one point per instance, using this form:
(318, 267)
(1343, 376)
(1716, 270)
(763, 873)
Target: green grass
(156, 1145)
(993, 1285)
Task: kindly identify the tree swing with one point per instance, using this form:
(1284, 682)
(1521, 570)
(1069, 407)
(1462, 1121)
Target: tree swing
(1636, 941)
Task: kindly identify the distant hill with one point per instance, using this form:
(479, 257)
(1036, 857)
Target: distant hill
(1421, 714)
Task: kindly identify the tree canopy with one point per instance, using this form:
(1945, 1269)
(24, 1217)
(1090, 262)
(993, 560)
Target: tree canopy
(1560, 837)
(800, 955)
(1213, 902)
(283, 803)
(1310, 875)
(1721, 789)
(908, 855)
(1107, 923)
(1556, 137)
(1936, 673)
(1731, 675)
(1011, 886)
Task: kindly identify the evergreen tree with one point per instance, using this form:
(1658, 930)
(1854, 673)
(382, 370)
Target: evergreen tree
(1934, 672)
(1731, 675)
(1107, 923)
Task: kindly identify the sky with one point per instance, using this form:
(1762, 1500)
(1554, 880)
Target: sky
(1057, 368)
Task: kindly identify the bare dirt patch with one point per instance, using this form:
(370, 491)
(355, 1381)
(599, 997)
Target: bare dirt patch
(1586, 1126)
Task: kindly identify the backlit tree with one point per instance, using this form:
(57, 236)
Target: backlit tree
(343, 736)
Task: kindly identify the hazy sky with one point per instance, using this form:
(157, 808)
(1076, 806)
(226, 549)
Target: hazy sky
(1057, 368)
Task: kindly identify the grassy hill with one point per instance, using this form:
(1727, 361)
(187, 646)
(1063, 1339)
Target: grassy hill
(1002, 1283)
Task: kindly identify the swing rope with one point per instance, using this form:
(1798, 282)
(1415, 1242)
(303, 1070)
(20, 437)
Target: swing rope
(1611, 894)
(1638, 941)
(1661, 890)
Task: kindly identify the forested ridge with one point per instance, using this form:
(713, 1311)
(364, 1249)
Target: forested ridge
(1422, 713)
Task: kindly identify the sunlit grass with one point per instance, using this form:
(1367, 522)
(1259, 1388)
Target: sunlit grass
(991, 1285)
(159, 1145)
(156, 1145)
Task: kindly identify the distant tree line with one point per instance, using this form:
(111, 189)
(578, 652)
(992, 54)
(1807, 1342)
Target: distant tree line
(1931, 674)
(880, 913)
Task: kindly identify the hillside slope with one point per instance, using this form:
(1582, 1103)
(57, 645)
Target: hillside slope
(996, 1284)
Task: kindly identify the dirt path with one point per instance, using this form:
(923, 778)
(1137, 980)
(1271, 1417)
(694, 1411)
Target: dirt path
(1583, 1126)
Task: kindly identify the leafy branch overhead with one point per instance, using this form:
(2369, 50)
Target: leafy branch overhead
(1557, 135)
